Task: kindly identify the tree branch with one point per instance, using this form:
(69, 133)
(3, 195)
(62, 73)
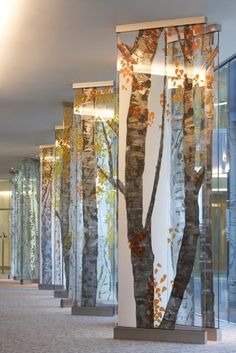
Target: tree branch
(181, 45)
(113, 126)
(58, 216)
(110, 158)
(126, 53)
(116, 183)
(47, 192)
(198, 178)
(211, 59)
(161, 147)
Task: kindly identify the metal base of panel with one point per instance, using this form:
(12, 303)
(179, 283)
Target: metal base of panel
(66, 303)
(178, 335)
(28, 281)
(61, 293)
(214, 334)
(50, 286)
(24, 280)
(102, 310)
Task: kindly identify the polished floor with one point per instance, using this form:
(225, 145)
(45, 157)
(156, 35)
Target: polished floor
(32, 322)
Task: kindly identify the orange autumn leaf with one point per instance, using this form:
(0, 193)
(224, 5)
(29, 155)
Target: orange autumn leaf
(163, 278)
(177, 63)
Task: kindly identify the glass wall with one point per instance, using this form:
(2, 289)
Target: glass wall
(227, 118)
(224, 188)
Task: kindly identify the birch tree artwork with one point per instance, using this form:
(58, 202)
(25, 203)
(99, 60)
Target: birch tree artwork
(161, 172)
(65, 193)
(56, 192)
(92, 141)
(62, 179)
(76, 212)
(25, 221)
(47, 170)
(206, 245)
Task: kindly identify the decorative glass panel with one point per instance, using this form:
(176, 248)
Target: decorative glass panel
(56, 192)
(25, 221)
(47, 216)
(93, 195)
(166, 240)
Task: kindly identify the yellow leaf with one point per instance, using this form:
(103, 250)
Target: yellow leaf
(164, 289)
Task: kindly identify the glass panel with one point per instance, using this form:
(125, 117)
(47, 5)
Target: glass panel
(5, 239)
(47, 216)
(56, 192)
(65, 196)
(219, 191)
(25, 222)
(94, 201)
(166, 107)
(223, 218)
(232, 191)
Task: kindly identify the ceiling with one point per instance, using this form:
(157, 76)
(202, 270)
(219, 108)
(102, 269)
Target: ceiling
(47, 45)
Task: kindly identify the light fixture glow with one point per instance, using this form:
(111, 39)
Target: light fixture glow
(5, 192)
(6, 7)
(95, 112)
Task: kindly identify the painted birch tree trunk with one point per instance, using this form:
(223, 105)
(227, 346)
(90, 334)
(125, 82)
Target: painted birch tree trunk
(76, 211)
(193, 182)
(14, 226)
(186, 311)
(57, 178)
(90, 221)
(65, 195)
(142, 257)
(206, 261)
(106, 150)
(46, 214)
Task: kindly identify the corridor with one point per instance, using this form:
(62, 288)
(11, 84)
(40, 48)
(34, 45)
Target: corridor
(32, 322)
